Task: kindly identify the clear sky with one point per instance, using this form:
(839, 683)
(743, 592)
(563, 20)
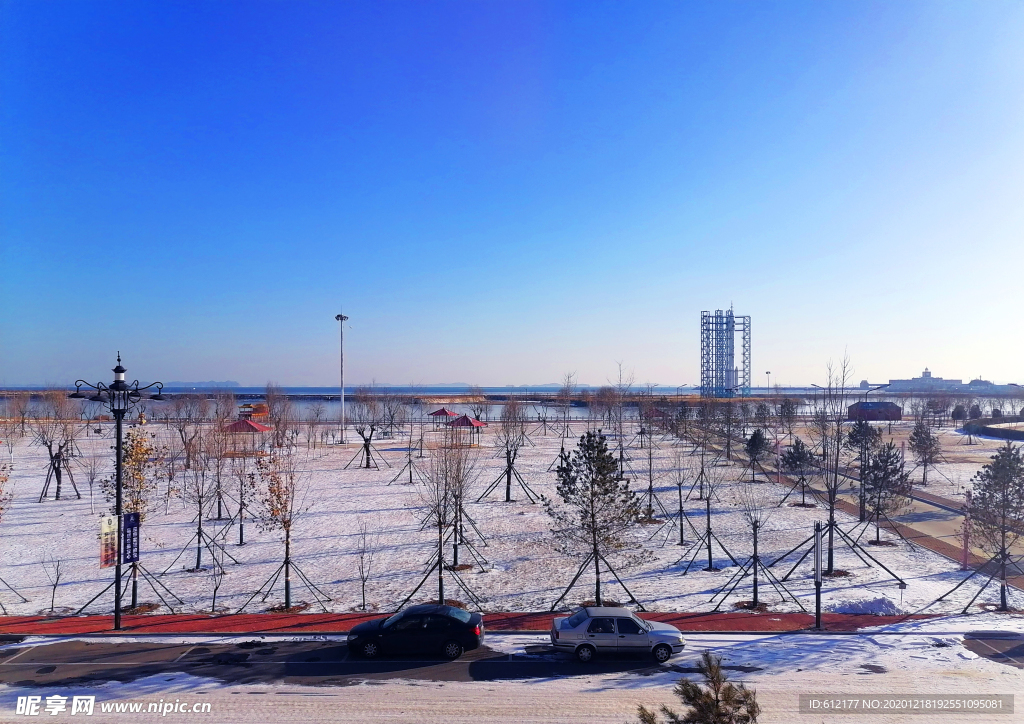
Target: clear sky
(501, 192)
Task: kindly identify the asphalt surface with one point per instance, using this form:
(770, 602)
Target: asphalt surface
(329, 663)
(311, 663)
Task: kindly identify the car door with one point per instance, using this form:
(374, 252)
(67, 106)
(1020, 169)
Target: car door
(601, 633)
(436, 631)
(405, 636)
(632, 637)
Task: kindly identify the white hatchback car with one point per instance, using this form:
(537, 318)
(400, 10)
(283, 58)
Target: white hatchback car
(602, 630)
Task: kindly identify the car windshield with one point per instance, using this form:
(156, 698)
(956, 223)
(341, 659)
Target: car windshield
(577, 618)
(392, 620)
(643, 624)
(459, 614)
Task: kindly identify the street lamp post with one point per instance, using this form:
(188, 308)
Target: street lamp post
(769, 381)
(342, 319)
(119, 397)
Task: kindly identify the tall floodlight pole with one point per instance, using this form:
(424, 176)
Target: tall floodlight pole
(119, 397)
(342, 319)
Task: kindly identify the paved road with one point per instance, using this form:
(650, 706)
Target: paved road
(328, 663)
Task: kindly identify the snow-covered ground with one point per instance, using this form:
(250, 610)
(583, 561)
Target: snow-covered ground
(522, 571)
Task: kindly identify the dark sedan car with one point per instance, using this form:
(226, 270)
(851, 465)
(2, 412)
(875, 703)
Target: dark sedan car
(426, 629)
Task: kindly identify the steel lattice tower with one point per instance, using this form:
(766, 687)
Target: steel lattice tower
(719, 375)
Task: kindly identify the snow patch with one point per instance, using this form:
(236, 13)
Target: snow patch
(878, 606)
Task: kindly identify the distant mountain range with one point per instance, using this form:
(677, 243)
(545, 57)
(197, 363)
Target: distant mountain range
(207, 384)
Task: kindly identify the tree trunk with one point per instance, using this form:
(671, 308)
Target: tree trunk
(597, 577)
(58, 461)
(755, 565)
(508, 477)
(711, 561)
(681, 540)
(440, 564)
(199, 540)
(287, 569)
(366, 452)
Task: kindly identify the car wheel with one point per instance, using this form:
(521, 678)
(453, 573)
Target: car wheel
(585, 654)
(370, 649)
(662, 653)
(452, 650)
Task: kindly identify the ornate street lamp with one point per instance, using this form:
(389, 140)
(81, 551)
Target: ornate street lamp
(119, 397)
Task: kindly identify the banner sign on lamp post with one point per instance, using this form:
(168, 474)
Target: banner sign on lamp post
(130, 544)
(108, 541)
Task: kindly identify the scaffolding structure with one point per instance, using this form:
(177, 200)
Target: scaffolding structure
(719, 374)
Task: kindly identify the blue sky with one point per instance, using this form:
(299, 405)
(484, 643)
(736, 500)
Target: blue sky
(499, 193)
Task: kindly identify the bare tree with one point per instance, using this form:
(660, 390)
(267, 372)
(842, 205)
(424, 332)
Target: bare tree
(314, 416)
(93, 467)
(54, 570)
(188, 412)
(280, 414)
(6, 495)
(56, 427)
(759, 503)
(280, 501)
(368, 415)
(198, 491)
(566, 393)
(478, 404)
(452, 469)
(10, 429)
(829, 420)
(509, 440)
(225, 407)
(21, 409)
(367, 550)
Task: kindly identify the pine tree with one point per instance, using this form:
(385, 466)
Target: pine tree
(886, 484)
(598, 506)
(716, 701)
(863, 438)
(997, 508)
(926, 447)
(756, 447)
(799, 460)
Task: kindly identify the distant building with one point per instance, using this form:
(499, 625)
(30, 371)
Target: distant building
(928, 383)
(875, 412)
(256, 412)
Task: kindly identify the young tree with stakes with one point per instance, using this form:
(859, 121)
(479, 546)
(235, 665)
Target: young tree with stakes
(280, 501)
(509, 440)
(55, 427)
(597, 510)
(926, 447)
(800, 461)
(452, 469)
(367, 550)
(997, 509)
(886, 484)
(368, 416)
(756, 447)
(863, 438)
(188, 412)
(6, 496)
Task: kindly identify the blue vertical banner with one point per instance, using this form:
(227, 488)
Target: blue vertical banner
(130, 534)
